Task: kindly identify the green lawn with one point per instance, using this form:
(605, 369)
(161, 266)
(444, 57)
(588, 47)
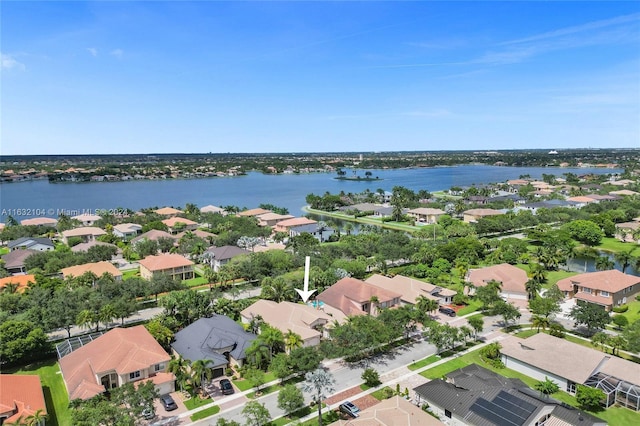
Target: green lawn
(194, 282)
(473, 306)
(244, 384)
(131, 273)
(424, 362)
(4, 250)
(615, 245)
(205, 413)
(613, 415)
(633, 313)
(296, 415)
(55, 392)
(196, 402)
(554, 276)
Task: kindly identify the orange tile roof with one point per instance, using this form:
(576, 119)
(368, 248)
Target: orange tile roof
(482, 212)
(349, 293)
(513, 279)
(22, 281)
(254, 212)
(172, 221)
(82, 231)
(123, 350)
(296, 221)
(97, 268)
(20, 395)
(164, 261)
(612, 281)
(581, 199)
(39, 221)
(167, 211)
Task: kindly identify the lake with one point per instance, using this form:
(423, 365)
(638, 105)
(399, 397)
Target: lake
(41, 198)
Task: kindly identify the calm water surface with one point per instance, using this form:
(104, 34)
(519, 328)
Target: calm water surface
(45, 199)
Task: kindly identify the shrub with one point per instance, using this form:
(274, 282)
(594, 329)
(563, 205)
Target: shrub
(371, 377)
(620, 309)
(556, 330)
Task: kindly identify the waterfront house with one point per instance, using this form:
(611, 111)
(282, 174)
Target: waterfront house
(14, 260)
(253, 212)
(97, 268)
(320, 233)
(168, 211)
(542, 355)
(283, 226)
(178, 224)
(604, 288)
(127, 231)
(271, 219)
(473, 215)
(40, 221)
(21, 397)
(511, 278)
(628, 231)
(306, 321)
(119, 356)
(173, 265)
(217, 257)
(476, 396)
(31, 243)
(425, 215)
(87, 219)
(219, 340)
(412, 289)
(352, 296)
(86, 233)
(213, 209)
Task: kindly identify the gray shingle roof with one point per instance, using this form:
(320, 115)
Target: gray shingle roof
(28, 242)
(208, 338)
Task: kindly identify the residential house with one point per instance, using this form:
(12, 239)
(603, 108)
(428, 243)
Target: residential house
(173, 265)
(320, 233)
(605, 288)
(395, 411)
(622, 182)
(14, 260)
(624, 193)
(628, 231)
(86, 233)
(360, 208)
(87, 219)
(119, 356)
(426, 215)
(582, 200)
(271, 219)
(22, 282)
(207, 236)
(511, 278)
(21, 398)
(283, 226)
(168, 211)
(355, 297)
(412, 289)
(153, 234)
(476, 396)
(569, 364)
(213, 209)
(217, 257)
(219, 340)
(40, 221)
(96, 268)
(306, 321)
(178, 224)
(127, 231)
(473, 215)
(31, 243)
(253, 212)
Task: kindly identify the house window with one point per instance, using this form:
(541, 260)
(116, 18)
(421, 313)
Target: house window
(604, 293)
(134, 375)
(365, 307)
(586, 290)
(447, 413)
(157, 367)
(571, 387)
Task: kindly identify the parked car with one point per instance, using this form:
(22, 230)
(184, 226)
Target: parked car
(148, 413)
(447, 311)
(168, 403)
(226, 387)
(350, 408)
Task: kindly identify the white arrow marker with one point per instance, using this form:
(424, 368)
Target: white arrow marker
(306, 293)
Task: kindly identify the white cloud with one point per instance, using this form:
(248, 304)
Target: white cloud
(93, 51)
(9, 62)
(117, 53)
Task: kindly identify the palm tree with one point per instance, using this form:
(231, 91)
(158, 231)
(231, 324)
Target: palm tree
(532, 287)
(107, 314)
(537, 273)
(603, 263)
(273, 338)
(178, 366)
(291, 341)
(624, 258)
(36, 419)
(255, 323)
(425, 306)
(199, 372)
(10, 288)
(210, 275)
(86, 319)
(320, 383)
(539, 321)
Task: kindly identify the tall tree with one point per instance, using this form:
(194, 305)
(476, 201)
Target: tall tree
(320, 383)
(594, 317)
(256, 414)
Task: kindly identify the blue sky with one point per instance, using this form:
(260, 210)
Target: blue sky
(139, 77)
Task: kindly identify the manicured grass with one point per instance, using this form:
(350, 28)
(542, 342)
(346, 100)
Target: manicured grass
(131, 273)
(55, 392)
(527, 333)
(444, 369)
(328, 417)
(473, 306)
(615, 245)
(633, 313)
(296, 415)
(193, 282)
(4, 250)
(205, 413)
(424, 362)
(244, 384)
(554, 276)
(381, 394)
(196, 402)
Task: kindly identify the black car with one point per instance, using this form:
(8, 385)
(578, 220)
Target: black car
(226, 387)
(447, 311)
(168, 403)
(350, 408)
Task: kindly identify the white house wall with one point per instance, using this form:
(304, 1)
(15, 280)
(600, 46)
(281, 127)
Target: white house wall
(533, 372)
